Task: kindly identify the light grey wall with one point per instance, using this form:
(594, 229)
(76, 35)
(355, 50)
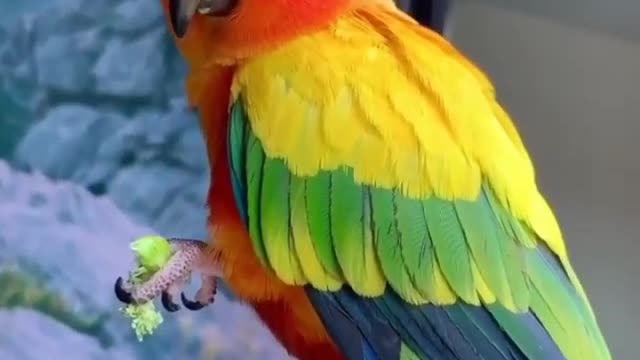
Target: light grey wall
(620, 17)
(575, 95)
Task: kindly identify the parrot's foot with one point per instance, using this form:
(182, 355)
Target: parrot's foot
(189, 256)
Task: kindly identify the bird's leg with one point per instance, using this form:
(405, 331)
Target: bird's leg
(189, 256)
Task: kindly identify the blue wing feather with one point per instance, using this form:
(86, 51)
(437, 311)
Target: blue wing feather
(452, 332)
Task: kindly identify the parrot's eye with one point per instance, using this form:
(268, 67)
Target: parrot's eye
(217, 7)
(181, 12)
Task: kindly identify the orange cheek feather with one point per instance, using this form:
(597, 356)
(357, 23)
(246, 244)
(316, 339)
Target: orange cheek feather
(285, 309)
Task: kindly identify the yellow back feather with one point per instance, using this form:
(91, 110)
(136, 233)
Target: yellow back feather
(398, 104)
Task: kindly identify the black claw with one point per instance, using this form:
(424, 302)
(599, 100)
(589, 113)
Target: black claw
(191, 305)
(168, 303)
(122, 294)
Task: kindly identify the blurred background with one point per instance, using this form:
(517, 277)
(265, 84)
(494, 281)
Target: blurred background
(98, 148)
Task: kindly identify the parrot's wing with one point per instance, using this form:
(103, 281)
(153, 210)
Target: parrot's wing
(382, 175)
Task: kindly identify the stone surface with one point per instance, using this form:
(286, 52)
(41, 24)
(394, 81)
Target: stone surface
(38, 329)
(131, 68)
(94, 94)
(77, 244)
(64, 60)
(64, 144)
(97, 147)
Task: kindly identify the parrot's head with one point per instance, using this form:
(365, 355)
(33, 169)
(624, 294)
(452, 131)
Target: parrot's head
(227, 31)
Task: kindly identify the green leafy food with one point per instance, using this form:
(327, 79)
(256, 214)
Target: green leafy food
(152, 253)
(144, 318)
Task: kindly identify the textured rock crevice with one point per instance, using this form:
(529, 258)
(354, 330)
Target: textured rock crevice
(92, 92)
(72, 245)
(98, 147)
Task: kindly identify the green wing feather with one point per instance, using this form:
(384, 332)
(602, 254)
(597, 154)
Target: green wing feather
(318, 209)
(326, 230)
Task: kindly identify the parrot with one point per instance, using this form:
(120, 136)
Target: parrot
(370, 197)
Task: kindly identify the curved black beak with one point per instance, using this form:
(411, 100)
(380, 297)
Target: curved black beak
(180, 13)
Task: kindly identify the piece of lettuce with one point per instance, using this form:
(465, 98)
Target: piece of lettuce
(152, 253)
